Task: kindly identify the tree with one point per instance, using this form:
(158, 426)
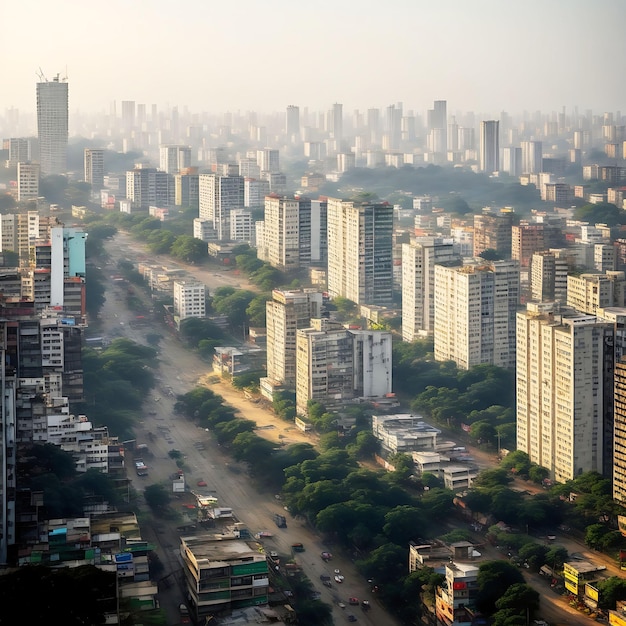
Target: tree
(189, 249)
(403, 524)
(519, 598)
(611, 590)
(82, 595)
(494, 578)
(157, 497)
(601, 213)
(491, 255)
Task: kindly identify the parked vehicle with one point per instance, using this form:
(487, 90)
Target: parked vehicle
(297, 547)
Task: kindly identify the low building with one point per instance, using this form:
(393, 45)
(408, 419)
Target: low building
(222, 572)
(577, 573)
(404, 433)
(455, 599)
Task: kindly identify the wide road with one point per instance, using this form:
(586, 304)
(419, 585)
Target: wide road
(180, 371)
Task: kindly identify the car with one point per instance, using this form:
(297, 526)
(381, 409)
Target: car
(201, 483)
(328, 584)
(353, 601)
(326, 556)
(351, 618)
(338, 578)
(324, 577)
(337, 571)
(365, 605)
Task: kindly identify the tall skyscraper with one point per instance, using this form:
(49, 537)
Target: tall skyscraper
(174, 159)
(52, 125)
(438, 120)
(490, 146)
(360, 246)
(94, 167)
(475, 307)
(419, 258)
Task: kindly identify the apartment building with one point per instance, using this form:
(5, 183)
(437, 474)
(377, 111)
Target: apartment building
(287, 312)
(360, 251)
(589, 292)
(492, 231)
(419, 258)
(548, 276)
(335, 365)
(27, 181)
(562, 389)
(222, 571)
(526, 239)
(475, 307)
(189, 299)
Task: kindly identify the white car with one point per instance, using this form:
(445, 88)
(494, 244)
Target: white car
(337, 571)
(338, 578)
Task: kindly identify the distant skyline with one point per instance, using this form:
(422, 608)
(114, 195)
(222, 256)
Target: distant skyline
(480, 55)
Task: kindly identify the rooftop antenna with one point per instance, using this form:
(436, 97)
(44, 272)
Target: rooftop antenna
(41, 76)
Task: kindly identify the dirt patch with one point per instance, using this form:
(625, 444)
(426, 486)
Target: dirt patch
(269, 426)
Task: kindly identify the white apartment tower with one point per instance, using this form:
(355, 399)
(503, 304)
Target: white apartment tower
(360, 246)
(475, 307)
(561, 389)
(287, 312)
(52, 125)
(419, 258)
(287, 232)
(189, 299)
(219, 195)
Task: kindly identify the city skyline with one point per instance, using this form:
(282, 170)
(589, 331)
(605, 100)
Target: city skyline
(484, 56)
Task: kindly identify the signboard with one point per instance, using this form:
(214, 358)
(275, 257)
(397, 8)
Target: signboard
(621, 524)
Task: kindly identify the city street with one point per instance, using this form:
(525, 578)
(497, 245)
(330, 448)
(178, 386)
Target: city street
(180, 370)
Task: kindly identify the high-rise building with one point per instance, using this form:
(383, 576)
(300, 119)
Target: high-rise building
(548, 276)
(52, 125)
(492, 231)
(475, 307)
(489, 146)
(512, 160)
(94, 167)
(532, 154)
(268, 160)
(561, 389)
(587, 293)
(287, 312)
(174, 158)
(219, 195)
(287, 232)
(335, 365)
(186, 189)
(526, 239)
(419, 258)
(20, 151)
(438, 120)
(27, 181)
(128, 116)
(147, 186)
(292, 122)
(360, 251)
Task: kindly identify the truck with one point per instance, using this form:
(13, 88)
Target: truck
(280, 520)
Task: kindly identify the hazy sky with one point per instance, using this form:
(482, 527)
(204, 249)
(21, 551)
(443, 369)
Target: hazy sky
(219, 55)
